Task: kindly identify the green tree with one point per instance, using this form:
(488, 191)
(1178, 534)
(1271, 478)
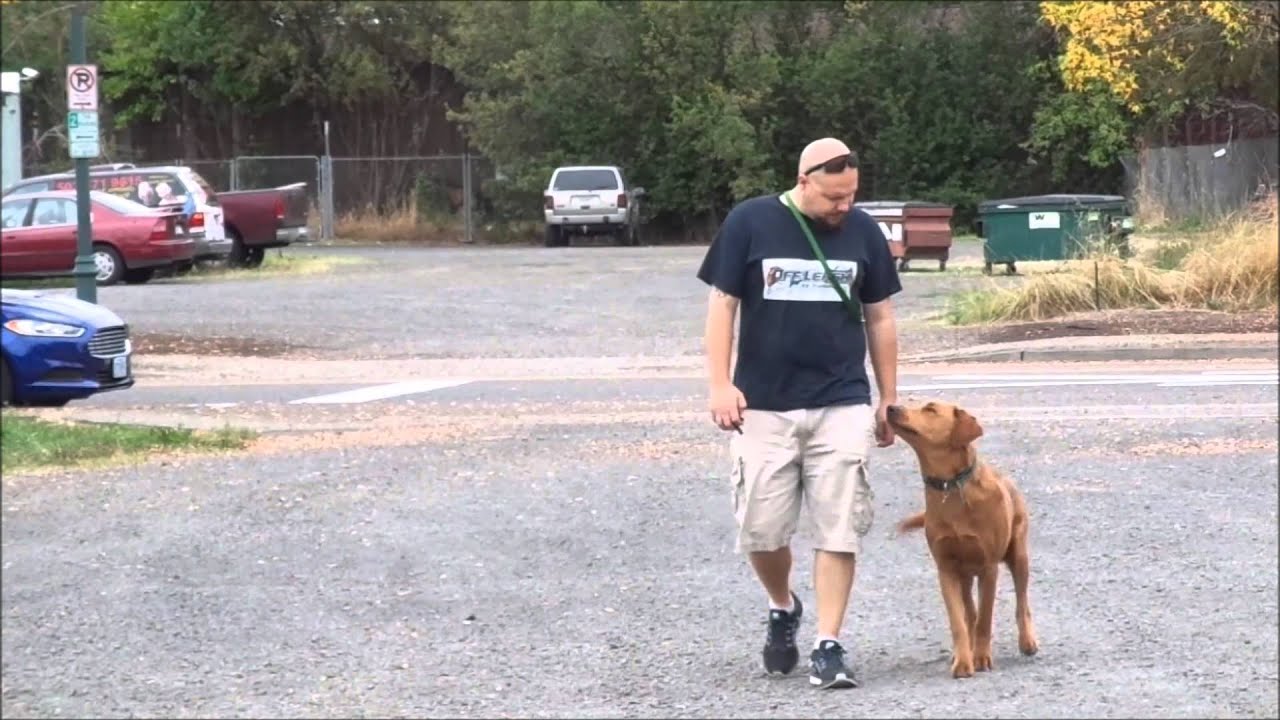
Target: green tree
(37, 34)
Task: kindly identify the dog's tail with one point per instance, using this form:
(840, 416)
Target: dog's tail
(908, 524)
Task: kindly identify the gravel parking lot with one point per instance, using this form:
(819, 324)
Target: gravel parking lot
(585, 568)
(533, 547)
(404, 302)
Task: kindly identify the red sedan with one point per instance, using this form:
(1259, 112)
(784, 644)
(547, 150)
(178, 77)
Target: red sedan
(130, 241)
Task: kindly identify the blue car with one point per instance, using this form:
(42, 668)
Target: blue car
(57, 348)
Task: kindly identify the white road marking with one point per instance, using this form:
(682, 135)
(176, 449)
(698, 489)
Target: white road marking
(925, 383)
(1015, 380)
(379, 392)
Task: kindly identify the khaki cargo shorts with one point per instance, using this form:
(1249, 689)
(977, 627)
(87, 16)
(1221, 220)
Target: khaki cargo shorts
(817, 455)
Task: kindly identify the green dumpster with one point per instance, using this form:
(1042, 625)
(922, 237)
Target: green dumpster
(1051, 227)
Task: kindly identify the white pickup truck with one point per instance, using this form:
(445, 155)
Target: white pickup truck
(591, 200)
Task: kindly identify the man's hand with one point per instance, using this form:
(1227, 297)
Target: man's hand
(726, 405)
(882, 342)
(884, 431)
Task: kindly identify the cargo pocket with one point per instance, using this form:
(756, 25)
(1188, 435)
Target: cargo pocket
(862, 511)
(737, 478)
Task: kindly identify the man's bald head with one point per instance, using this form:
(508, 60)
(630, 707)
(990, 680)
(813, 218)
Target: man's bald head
(820, 151)
(826, 194)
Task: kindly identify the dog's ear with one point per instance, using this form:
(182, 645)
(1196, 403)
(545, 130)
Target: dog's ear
(965, 429)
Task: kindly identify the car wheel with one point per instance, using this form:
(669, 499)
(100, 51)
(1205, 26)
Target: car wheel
(139, 276)
(253, 257)
(108, 267)
(239, 255)
(556, 237)
(6, 383)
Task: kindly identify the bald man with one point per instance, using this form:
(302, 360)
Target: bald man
(799, 398)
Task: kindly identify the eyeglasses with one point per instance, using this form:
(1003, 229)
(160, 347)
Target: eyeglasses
(836, 164)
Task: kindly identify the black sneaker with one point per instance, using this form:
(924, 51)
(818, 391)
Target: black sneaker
(780, 652)
(827, 669)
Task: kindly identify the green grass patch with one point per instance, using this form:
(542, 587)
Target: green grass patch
(30, 443)
(975, 307)
(1170, 254)
(38, 283)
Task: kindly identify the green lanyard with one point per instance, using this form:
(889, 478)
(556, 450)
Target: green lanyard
(855, 309)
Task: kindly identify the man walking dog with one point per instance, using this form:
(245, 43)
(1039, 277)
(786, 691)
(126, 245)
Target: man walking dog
(813, 280)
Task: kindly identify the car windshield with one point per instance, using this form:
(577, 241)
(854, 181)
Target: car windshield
(586, 180)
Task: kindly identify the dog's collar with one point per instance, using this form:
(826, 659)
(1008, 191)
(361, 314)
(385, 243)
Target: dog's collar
(954, 483)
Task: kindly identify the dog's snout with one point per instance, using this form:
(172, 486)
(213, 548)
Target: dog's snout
(893, 410)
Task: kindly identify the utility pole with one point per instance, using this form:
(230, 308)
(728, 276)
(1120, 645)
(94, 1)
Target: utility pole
(82, 130)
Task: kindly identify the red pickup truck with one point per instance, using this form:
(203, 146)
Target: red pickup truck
(259, 219)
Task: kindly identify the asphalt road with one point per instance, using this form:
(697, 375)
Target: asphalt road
(567, 552)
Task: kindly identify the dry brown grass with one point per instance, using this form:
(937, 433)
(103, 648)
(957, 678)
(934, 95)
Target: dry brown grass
(1234, 266)
(400, 225)
(405, 225)
(1239, 270)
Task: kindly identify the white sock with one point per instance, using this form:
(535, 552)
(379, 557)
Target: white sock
(789, 607)
(822, 638)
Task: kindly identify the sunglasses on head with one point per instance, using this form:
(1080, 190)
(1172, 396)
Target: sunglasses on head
(836, 164)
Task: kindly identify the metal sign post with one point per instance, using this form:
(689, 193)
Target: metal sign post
(82, 130)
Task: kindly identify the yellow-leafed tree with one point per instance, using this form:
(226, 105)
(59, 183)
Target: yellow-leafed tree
(1159, 57)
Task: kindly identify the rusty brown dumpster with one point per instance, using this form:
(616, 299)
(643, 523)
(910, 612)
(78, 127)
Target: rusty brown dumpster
(913, 229)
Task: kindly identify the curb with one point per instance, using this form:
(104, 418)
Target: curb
(1205, 352)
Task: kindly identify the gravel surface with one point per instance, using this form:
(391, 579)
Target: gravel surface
(475, 302)
(534, 546)
(585, 569)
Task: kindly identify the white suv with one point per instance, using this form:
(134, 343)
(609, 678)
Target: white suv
(591, 200)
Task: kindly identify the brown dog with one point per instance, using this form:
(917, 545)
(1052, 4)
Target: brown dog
(974, 519)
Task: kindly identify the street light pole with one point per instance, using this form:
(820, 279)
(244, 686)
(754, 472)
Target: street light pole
(85, 271)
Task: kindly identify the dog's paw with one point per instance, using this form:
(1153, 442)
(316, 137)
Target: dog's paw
(982, 661)
(1027, 644)
(982, 654)
(962, 666)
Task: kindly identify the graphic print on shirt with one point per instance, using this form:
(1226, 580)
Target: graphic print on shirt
(797, 280)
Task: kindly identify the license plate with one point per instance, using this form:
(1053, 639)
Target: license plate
(120, 367)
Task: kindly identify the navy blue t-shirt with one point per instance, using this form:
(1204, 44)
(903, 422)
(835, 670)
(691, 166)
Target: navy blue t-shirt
(798, 345)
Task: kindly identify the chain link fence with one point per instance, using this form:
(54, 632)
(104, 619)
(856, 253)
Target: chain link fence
(1200, 182)
(446, 193)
